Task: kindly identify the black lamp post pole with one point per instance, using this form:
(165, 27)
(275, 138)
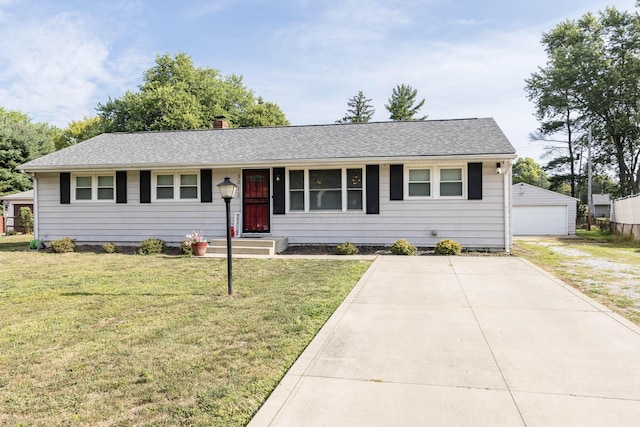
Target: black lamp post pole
(227, 200)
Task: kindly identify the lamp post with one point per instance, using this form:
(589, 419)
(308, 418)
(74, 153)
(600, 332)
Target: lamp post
(227, 191)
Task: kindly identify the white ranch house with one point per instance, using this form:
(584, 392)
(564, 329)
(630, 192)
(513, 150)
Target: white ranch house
(369, 184)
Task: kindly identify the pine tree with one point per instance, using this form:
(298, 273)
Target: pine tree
(401, 103)
(359, 111)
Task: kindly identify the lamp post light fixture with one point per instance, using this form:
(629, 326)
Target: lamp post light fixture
(227, 192)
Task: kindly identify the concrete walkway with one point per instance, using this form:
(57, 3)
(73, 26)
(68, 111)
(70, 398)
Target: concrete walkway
(463, 341)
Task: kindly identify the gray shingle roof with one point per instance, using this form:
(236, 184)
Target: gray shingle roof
(601, 199)
(402, 139)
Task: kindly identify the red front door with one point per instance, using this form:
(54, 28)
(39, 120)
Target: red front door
(255, 201)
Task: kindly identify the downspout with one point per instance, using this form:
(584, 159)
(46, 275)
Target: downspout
(507, 207)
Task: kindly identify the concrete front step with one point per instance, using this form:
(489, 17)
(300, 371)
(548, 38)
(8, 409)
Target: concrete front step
(249, 246)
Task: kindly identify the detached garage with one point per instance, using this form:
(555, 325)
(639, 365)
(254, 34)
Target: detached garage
(537, 211)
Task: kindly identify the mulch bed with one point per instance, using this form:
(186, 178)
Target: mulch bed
(302, 250)
(374, 250)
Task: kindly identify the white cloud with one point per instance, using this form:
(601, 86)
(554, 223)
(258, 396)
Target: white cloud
(53, 67)
(346, 25)
(481, 77)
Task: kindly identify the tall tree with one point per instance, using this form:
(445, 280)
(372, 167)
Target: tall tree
(360, 110)
(528, 171)
(78, 131)
(556, 111)
(598, 60)
(176, 95)
(401, 103)
(21, 141)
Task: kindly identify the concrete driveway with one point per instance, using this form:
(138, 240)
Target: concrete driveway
(463, 341)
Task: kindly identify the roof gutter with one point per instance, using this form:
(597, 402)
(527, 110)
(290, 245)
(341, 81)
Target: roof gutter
(272, 163)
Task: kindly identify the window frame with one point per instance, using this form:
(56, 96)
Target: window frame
(408, 181)
(176, 185)
(94, 176)
(436, 181)
(462, 181)
(344, 190)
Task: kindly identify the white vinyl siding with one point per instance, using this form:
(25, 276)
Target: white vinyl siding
(473, 223)
(131, 222)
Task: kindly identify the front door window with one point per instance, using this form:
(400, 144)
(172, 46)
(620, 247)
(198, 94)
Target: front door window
(255, 211)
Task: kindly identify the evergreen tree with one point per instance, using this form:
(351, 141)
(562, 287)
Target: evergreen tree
(359, 111)
(401, 104)
(21, 141)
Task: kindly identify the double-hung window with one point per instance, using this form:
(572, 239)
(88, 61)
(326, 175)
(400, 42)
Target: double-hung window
(354, 189)
(451, 182)
(106, 187)
(176, 186)
(296, 190)
(420, 182)
(94, 187)
(326, 190)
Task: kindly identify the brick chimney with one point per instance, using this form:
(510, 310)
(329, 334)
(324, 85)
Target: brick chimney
(219, 122)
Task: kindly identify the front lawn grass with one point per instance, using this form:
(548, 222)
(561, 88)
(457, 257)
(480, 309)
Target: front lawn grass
(111, 339)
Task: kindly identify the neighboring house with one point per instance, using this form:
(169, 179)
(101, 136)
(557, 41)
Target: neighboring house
(601, 205)
(537, 211)
(369, 184)
(11, 209)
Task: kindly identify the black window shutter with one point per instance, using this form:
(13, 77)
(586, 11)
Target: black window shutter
(278, 191)
(474, 177)
(206, 186)
(65, 188)
(145, 186)
(373, 189)
(121, 186)
(396, 176)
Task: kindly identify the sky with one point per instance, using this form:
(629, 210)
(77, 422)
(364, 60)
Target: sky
(466, 58)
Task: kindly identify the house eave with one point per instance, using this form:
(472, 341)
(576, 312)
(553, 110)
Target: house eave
(268, 162)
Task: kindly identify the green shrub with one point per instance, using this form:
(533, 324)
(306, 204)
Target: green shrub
(110, 248)
(448, 247)
(26, 219)
(185, 249)
(63, 245)
(402, 247)
(152, 246)
(11, 232)
(346, 248)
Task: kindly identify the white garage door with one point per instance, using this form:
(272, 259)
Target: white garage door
(539, 220)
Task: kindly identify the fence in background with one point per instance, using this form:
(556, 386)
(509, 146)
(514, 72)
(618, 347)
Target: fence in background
(625, 216)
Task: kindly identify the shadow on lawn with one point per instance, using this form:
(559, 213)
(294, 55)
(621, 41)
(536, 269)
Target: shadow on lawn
(124, 294)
